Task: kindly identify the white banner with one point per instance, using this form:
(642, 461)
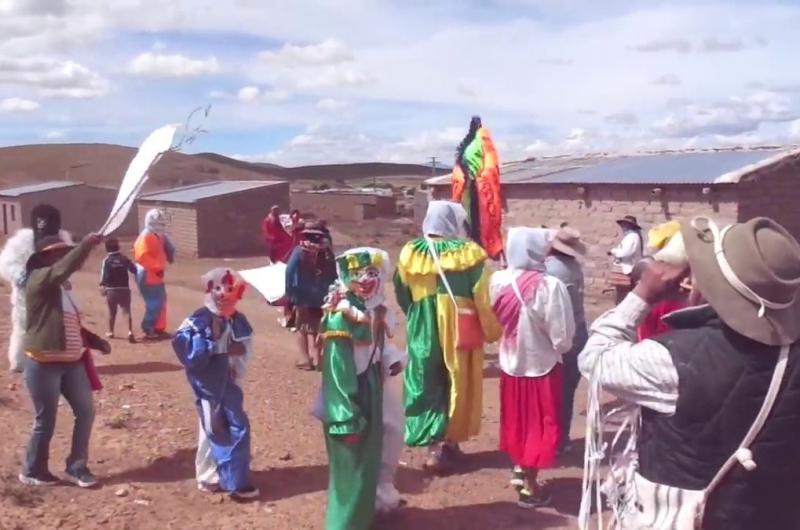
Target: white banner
(158, 143)
(270, 281)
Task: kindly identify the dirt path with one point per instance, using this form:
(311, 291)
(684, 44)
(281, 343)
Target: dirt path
(145, 432)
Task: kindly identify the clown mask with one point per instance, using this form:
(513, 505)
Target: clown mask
(364, 271)
(366, 282)
(224, 288)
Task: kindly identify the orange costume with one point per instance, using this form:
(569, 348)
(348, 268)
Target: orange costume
(476, 185)
(152, 252)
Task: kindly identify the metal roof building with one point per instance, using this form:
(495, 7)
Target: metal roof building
(217, 219)
(591, 192)
(84, 208)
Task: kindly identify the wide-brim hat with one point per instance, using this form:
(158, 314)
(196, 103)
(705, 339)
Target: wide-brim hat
(568, 241)
(46, 246)
(629, 220)
(750, 274)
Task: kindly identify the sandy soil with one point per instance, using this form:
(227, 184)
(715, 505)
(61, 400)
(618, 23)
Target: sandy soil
(145, 431)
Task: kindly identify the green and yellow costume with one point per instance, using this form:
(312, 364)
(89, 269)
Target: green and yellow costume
(352, 400)
(443, 386)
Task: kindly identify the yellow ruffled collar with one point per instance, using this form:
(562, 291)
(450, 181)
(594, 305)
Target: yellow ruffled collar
(416, 260)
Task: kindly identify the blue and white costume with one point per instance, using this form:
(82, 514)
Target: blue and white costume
(213, 374)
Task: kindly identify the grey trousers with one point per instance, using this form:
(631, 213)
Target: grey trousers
(46, 382)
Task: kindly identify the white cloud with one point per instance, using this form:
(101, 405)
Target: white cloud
(54, 134)
(149, 64)
(666, 80)
(327, 52)
(794, 130)
(622, 118)
(736, 116)
(18, 105)
(665, 45)
(218, 94)
(53, 77)
(331, 105)
(248, 93)
(719, 45)
(254, 94)
(32, 7)
(334, 76)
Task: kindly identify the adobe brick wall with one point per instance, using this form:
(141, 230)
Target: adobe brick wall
(774, 193)
(344, 206)
(181, 225)
(230, 225)
(594, 214)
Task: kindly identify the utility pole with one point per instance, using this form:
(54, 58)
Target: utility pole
(433, 165)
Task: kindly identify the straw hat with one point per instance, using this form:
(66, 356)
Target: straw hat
(568, 241)
(750, 274)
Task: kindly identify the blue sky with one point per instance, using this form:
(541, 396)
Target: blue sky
(356, 80)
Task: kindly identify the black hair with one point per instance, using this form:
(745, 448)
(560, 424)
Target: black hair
(112, 245)
(45, 221)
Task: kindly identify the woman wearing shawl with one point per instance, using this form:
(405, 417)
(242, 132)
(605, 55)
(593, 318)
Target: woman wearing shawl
(535, 312)
(152, 252)
(443, 385)
(278, 241)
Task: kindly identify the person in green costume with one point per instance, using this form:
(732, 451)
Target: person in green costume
(443, 384)
(351, 402)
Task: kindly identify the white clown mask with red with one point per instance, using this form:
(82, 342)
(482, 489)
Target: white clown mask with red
(364, 271)
(224, 289)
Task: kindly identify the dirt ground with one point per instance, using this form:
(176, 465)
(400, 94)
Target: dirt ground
(145, 437)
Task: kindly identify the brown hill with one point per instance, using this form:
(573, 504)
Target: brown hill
(104, 165)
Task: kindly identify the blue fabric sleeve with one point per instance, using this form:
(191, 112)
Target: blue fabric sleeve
(293, 275)
(193, 350)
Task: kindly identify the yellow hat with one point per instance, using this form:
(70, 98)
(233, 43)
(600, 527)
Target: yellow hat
(659, 235)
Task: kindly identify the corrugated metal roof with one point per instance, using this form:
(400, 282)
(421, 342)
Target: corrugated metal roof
(698, 167)
(192, 194)
(34, 188)
(671, 168)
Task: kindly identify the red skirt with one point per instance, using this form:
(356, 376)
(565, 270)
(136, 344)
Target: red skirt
(530, 415)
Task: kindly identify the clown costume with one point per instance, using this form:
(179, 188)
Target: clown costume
(363, 445)
(45, 221)
(152, 252)
(213, 344)
(367, 270)
(443, 384)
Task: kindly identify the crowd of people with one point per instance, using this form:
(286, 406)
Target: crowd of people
(700, 348)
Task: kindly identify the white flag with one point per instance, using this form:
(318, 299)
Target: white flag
(158, 143)
(270, 281)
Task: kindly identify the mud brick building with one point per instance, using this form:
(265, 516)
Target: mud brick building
(217, 219)
(84, 208)
(345, 204)
(591, 193)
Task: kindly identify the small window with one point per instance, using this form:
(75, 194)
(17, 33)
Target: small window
(13, 213)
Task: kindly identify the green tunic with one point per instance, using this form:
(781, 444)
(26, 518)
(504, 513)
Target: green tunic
(352, 405)
(432, 395)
